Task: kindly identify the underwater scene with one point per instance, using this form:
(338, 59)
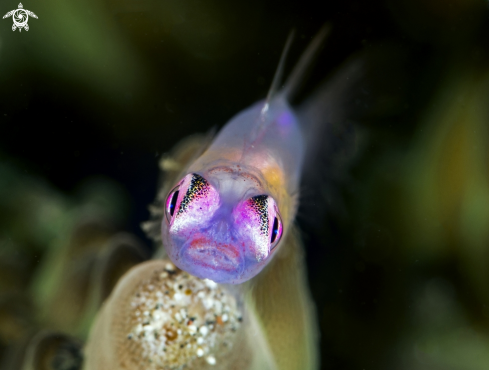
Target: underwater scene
(244, 185)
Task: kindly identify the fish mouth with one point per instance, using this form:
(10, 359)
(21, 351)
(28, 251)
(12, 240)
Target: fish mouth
(208, 259)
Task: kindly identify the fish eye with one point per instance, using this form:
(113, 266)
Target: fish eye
(171, 202)
(276, 232)
(266, 220)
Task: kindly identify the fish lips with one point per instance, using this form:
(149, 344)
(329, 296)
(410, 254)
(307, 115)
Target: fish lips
(208, 259)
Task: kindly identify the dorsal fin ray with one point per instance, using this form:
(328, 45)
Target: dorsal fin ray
(272, 92)
(305, 63)
(294, 81)
(280, 69)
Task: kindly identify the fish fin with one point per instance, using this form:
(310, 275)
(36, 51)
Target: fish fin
(277, 78)
(369, 88)
(293, 82)
(272, 92)
(305, 63)
(284, 309)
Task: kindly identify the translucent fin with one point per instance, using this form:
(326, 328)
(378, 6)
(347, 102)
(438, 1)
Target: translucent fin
(277, 79)
(305, 64)
(283, 308)
(272, 92)
(371, 87)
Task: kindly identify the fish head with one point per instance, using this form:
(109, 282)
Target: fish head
(221, 225)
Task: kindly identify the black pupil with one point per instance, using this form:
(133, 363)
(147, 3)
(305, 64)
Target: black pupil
(274, 229)
(173, 203)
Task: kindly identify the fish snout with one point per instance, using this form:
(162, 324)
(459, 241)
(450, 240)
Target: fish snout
(206, 258)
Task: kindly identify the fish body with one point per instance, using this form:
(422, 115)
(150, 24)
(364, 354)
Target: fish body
(280, 328)
(237, 195)
(226, 216)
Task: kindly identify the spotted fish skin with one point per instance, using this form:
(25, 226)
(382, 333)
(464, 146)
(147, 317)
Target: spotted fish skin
(197, 188)
(259, 204)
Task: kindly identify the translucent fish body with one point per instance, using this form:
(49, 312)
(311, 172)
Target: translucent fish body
(229, 211)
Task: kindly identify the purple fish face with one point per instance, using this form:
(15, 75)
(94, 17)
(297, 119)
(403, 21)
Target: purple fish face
(219, 232)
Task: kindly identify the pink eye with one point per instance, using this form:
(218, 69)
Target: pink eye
(193, 198)
(171, 202)
(267, 224)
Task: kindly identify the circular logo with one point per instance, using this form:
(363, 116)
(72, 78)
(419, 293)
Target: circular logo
(20, 17)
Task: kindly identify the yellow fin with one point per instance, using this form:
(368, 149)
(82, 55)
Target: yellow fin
(281, 299)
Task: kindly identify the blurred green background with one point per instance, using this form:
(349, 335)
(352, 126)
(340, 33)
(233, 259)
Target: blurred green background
(96, 91)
